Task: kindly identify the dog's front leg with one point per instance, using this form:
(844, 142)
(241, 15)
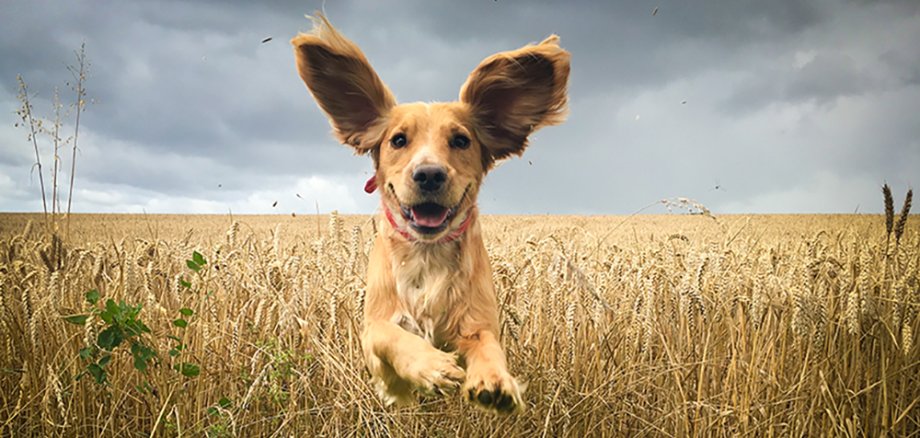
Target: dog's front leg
(401, 362)
(488, 382)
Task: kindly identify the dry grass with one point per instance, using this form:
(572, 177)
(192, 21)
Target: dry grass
(664, 326)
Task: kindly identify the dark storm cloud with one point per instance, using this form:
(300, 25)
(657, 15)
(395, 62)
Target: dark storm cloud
(775, 103)
(181, 91)
(826, 77)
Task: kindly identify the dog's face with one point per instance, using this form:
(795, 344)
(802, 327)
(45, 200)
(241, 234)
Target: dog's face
(430, 165)
(431, 157)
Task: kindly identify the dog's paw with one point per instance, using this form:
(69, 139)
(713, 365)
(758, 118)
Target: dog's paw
(494, 390)
(436, 372)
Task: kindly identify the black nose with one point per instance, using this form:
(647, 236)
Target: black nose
(429, 177)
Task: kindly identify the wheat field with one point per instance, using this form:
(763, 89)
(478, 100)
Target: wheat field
(672, 325)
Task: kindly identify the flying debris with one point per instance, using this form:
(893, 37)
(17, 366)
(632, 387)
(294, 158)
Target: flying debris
(275, 204)
(220, 185)
(265, 40)
(293, 215)
(683, 102)
(655, 11)
(530, 162)
(298, 195)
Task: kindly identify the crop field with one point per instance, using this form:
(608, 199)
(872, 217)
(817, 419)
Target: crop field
(649, 325)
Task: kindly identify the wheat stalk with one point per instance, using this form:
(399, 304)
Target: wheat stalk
(889, 209)
(907, 339)
(902, 219)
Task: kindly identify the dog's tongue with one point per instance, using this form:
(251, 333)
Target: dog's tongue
(429, 215)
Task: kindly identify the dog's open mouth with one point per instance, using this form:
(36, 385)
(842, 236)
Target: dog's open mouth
(427, 217)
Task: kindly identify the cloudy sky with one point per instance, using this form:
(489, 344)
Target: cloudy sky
(746, 106)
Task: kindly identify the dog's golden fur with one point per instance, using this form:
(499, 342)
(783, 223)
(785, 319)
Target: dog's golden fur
(431, 316)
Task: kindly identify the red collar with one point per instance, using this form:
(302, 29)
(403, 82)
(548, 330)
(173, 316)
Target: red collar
(454, 235)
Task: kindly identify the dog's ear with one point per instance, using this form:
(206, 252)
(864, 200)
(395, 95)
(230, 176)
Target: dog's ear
(344, 84)
(514, 93)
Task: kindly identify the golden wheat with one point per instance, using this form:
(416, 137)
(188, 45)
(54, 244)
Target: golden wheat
(669, 326)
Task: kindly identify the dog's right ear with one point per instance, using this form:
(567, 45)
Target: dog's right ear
(344, 84)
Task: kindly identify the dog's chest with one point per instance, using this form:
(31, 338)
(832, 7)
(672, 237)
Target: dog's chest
(426, 282)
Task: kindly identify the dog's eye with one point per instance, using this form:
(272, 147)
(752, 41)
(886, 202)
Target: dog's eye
(459, 141)
(399, 140)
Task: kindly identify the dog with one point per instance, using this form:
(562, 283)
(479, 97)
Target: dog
(431, 315)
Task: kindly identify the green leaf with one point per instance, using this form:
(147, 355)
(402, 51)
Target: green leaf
(110, 338)
(136, 327)
(212, 410)
(180, 323)
(142, 351)
(133, 312)
(104, 360)
(175, 338)
(107, 317)
(142, 355)
(97, 372)
(87, 352)
(132, 328)
(198, 258)
(173, 352)
(188, 369)
(225, 403)
(76, 319)
(186, 311)
(192, 265)
(136, 348)
(112, 312)
(185, 284)
(92, 296)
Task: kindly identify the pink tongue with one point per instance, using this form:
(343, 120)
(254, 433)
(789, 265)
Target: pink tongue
(430, 219)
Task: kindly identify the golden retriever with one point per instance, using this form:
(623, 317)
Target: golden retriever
(431, 315)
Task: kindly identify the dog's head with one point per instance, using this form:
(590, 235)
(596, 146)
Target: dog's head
(431, 157)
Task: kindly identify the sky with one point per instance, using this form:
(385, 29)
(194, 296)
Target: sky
(745, 106)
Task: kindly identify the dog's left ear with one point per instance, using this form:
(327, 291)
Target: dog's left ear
(512, 94)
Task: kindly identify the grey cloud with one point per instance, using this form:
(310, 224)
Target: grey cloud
(210, 91)
(903, 64)
(824, 79)
(187, 97)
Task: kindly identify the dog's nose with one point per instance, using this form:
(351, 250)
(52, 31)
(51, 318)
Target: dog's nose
(429, 177)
